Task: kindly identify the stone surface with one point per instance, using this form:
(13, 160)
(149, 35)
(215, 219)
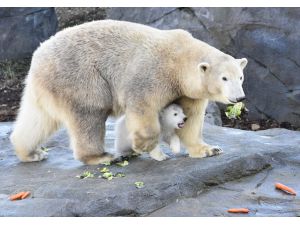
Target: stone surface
(268, 37)
(213, 114)
(169, 185)
(71, 16)
(23, 29)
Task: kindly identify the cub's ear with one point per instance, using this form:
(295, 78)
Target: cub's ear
(204, 67)
(243, 62)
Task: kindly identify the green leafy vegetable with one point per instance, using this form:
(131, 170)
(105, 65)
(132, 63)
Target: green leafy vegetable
(139, 184)
(108, 175)
(119, 175)
(106, 163)
(104, 170)
(234, 111)
(86, 174)
(124, 163)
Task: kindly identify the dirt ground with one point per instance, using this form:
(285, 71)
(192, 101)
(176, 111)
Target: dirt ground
(12, 76)
(245, 124)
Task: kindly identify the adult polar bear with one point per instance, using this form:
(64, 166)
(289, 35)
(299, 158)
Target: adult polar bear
(85, 73)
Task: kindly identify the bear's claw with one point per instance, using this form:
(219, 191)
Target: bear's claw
(36, 156)
(216, 150)
(205, 151)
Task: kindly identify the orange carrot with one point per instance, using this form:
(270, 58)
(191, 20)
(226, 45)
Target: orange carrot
(285, 189)
(238, 210)
(25, 195)
(17, 196)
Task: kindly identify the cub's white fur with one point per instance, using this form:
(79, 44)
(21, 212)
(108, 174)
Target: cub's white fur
(171, 118)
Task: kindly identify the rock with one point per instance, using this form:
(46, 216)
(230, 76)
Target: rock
(56, 191)
(213, 114)
(255, 126)
(71, 16)
(266, 36)
(23, 29)
(255, 192)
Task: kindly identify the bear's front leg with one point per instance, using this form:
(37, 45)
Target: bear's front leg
(144, 129)
(191, 134)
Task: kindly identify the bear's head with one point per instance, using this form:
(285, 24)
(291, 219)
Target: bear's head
(217, 80)
(223, 81)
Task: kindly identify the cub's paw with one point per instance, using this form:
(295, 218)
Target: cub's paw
(158, 155)
(203, 151)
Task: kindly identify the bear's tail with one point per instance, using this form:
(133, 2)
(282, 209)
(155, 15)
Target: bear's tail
(32, 127)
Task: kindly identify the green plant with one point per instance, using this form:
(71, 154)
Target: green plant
(234, 111)
(10, 69)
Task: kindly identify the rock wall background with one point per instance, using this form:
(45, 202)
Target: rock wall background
(268, 37)
(23, 29)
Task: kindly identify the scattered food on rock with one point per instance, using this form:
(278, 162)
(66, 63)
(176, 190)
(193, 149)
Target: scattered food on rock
(122, 164)
(119, 174)
(139, 184)
(238, 210)
(86, 174)
(19, 196)
(107, 175)
(104, 170)
(286, 189)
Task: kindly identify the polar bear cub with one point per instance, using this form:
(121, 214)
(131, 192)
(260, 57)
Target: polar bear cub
(171, 118)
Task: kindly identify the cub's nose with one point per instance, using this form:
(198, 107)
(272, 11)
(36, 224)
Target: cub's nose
(185, 119)
(241, 99)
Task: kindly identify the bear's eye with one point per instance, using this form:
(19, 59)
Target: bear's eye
(224, 78)
(175, 114)
(241, 78)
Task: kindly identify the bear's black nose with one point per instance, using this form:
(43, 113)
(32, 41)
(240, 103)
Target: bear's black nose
(241, 99)
(185, 119)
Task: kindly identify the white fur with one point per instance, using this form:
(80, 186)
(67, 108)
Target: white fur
(170, 117)
(33, 127)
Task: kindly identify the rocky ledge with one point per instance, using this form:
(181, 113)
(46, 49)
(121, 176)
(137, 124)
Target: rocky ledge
(243, 176)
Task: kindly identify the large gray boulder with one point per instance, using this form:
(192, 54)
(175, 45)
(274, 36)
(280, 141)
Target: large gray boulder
(171, 187)
(213, 114)
(23, 29)
(268, 37)
(71, 16)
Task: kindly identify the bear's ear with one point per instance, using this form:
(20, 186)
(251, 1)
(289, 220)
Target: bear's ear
(243, 62)
(204, 67)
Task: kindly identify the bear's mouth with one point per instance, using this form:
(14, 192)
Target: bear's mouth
(180, 125)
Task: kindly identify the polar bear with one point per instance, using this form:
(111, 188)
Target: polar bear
(85, 73)
(170, 118)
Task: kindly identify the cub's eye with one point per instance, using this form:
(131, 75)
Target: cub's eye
(224, 78)
(241, 78)
(175, 114)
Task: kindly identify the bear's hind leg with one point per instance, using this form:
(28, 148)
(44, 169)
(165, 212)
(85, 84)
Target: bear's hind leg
(32, 127)
(87, 131)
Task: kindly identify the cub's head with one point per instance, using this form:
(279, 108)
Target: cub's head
(223, 81)
(173, 117)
